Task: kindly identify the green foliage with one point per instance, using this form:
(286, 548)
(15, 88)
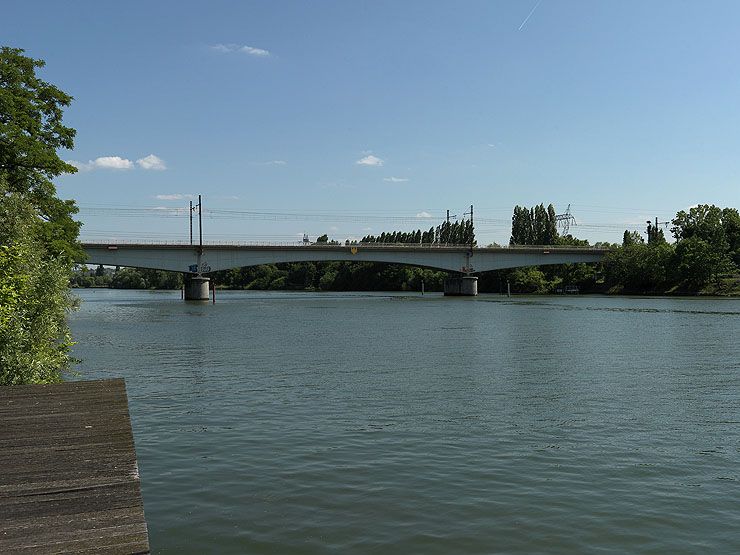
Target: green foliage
(528, 280)
(128, 278)
(34, 299)
(632, 238)
(570, 241)
(703, 221)
(31, 132)
(731, 224)
(38, 237)
(534, 226)
(638, 267)
(708, 243)
(459, 232)
(698, 261)
(708, 239)
(654, 234)
(83, 277)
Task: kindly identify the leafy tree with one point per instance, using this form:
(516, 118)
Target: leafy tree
(638, 267)
(632, 238)
(528, 280)
(731, 225)
(654, 234)
(37, 233)
(704, 221)
(712, 240)
(534, 226)
(31, 132)
(128, 278)
(161, 279)
(698, 261)
(34, 299)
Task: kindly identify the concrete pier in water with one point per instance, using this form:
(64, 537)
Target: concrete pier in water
(463, 286)
(196, 288)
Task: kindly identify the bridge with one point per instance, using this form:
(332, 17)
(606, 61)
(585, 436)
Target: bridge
(197, 261)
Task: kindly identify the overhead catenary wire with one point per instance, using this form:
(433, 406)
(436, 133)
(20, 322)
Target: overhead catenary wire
(488, 223)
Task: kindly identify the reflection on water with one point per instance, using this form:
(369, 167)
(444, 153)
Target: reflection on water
(317, 423)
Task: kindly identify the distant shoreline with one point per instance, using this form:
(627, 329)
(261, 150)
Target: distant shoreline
(735, 294)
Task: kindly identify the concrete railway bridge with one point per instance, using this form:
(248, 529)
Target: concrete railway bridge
(198, 261)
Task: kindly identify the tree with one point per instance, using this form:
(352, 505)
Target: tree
(37, 233)
(632, 238)
(698, 261)
(731, 224)
(712, 237)
(128, 278)
(534, 226)
(654, 234)
(703, 221)
(34, 299)
(31, 132)
(528, 280)
(638, 267)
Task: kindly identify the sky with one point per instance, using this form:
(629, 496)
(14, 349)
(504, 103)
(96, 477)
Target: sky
(353, 118)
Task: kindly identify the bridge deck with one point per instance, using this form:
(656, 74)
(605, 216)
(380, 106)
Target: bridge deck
(69, 480)
(215, 257)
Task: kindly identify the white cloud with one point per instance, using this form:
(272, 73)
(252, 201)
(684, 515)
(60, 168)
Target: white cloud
(333, 228)
(370, 160)
(175, 196)
(151, 162)
(104, 163)
(270, 163)
(254, 51)
(395, 179)
(423, 214)
(113, 163)
(244, 49)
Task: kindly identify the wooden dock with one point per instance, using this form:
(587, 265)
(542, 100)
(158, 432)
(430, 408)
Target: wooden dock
(69, 481)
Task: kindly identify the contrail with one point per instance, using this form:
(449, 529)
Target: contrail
(530, 14)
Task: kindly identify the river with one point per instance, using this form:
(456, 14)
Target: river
(275, 422)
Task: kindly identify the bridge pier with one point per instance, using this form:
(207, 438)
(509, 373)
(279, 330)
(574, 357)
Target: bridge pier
(196, 288)
(462, 286)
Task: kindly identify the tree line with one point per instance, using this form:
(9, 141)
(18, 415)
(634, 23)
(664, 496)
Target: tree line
(704, 257)
(458, 232)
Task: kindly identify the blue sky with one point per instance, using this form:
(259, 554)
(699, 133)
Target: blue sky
(358, 117)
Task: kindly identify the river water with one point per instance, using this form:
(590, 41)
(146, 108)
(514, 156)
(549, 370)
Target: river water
(385, 423)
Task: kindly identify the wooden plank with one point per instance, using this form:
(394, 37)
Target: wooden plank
(69, 481)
